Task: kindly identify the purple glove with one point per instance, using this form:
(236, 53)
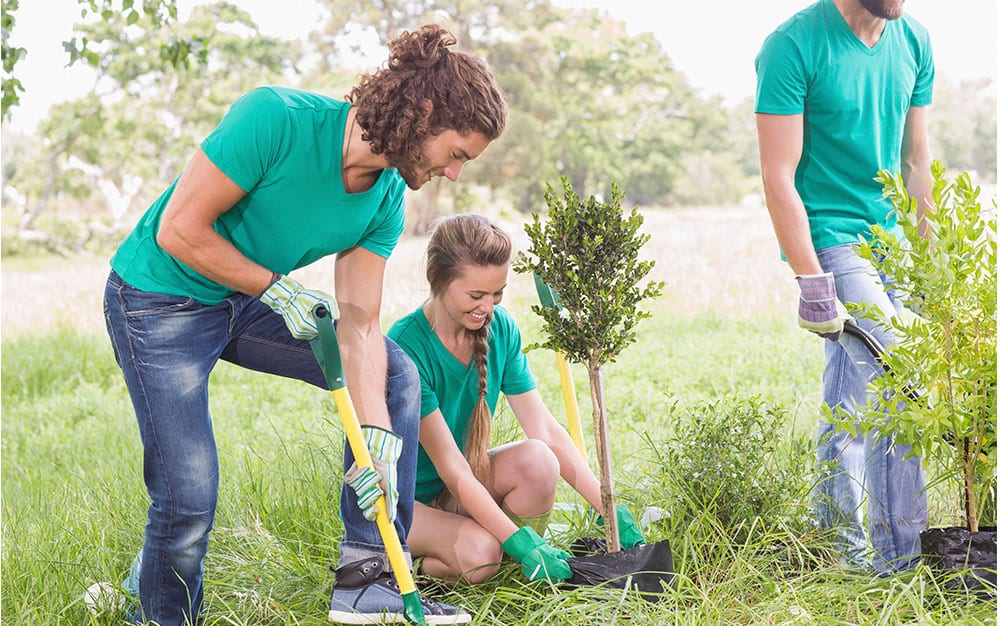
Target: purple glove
(819, 309)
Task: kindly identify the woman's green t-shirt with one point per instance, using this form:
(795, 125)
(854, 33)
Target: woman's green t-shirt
(452, 386)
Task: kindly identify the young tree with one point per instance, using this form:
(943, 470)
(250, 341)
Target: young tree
(950, 351)
(588, 252)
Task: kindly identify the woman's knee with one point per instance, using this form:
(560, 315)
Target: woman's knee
(536, 463)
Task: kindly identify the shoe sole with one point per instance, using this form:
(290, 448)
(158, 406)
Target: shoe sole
(350, 617)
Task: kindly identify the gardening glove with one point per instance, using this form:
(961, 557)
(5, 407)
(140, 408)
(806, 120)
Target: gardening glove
(629, 533)
(289, 299)
(819, 309)
(538, 559)
(385, 447)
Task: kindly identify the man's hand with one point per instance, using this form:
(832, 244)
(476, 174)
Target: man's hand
(539, 560)
(289, 299)
(385, 447)
(819, 309)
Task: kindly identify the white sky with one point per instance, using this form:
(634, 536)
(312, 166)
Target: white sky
(712, 43)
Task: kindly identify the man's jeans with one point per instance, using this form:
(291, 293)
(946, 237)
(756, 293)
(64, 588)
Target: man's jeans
(167, 346)
(851, 468)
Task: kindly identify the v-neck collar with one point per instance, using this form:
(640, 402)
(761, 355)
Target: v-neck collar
(454, 363)
(834, 13)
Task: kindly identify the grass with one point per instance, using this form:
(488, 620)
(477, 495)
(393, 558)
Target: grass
(74, 504)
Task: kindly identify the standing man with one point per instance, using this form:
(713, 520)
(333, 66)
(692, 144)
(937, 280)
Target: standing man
(289, 177)
(842, 92)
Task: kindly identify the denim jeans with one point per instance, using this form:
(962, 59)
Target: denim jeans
(166, 347)
(851, 469)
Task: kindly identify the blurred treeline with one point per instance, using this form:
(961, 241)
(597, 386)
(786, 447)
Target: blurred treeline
(587, 102)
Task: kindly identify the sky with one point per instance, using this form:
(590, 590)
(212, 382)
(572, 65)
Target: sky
(715, 51)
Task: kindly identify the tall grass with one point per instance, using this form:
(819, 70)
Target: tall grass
(74, 504)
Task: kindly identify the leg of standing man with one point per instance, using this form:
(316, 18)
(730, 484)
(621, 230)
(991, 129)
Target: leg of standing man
(893, 485)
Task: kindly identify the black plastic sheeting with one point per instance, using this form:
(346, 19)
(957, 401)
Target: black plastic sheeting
(646, 568)
(955, 548)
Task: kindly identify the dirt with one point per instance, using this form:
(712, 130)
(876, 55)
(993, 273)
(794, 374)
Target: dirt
(713, 259)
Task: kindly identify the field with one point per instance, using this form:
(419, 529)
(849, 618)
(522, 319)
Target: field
(721, 351)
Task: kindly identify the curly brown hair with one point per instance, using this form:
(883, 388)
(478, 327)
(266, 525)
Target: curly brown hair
(463, 93)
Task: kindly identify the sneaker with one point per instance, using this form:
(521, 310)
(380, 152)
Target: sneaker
(104, 597)
(364, 593)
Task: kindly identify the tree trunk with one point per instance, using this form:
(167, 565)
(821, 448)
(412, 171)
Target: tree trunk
(604, 460)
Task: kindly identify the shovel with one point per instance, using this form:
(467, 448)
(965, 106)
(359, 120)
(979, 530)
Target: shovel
(877, 350)
(327, 352)
(550, 300)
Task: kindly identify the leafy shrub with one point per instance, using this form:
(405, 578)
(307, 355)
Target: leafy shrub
(735, 459)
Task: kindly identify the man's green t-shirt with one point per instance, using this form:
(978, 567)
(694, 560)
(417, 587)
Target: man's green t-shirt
(283, 148)
(854, 101)
(452, 386)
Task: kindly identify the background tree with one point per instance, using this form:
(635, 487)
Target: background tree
(126, 12)
(963, 126)
(134, 133)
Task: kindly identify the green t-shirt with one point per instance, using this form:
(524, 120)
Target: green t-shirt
(283, 148)
(854, 101)
(453, 387)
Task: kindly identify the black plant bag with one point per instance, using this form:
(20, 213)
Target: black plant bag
(646, 568)
(955, 548)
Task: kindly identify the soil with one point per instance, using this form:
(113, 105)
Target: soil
(713, 259)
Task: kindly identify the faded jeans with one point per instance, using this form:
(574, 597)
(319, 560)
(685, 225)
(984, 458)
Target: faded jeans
(850, 468)
(167, 346)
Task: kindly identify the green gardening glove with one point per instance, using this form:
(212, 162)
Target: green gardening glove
(538, 559)
(629, 534)
(289, 299)
(385, 447)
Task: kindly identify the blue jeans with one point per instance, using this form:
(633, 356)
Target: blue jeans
(852, 468)
(166, 347)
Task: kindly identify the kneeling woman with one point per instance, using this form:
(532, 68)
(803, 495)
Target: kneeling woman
(474, 504)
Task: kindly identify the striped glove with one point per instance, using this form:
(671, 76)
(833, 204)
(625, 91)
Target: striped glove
(819, 309)
(385, 447)
(294, 303)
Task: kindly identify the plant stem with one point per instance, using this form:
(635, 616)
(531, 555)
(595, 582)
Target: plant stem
(604, 459)
(969, 477)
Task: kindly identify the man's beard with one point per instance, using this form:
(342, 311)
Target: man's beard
(411, 176)
(883, 9)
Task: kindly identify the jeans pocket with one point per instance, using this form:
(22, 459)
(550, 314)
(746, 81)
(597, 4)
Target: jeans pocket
(147, 303)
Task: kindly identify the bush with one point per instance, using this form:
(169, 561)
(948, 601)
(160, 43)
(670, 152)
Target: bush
(733, 459)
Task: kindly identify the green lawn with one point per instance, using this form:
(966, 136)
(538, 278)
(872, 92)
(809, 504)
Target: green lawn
(74, 503)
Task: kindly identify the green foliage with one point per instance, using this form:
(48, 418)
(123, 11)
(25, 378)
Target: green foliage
(115, 148)
(951, 350)
(722, 458)
(588, 251)
(11, 55)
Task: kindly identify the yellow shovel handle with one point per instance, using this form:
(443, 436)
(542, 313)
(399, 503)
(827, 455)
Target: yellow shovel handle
(569, 399)
(393, 547)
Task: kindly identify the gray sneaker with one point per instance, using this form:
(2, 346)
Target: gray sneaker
(364, 593)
